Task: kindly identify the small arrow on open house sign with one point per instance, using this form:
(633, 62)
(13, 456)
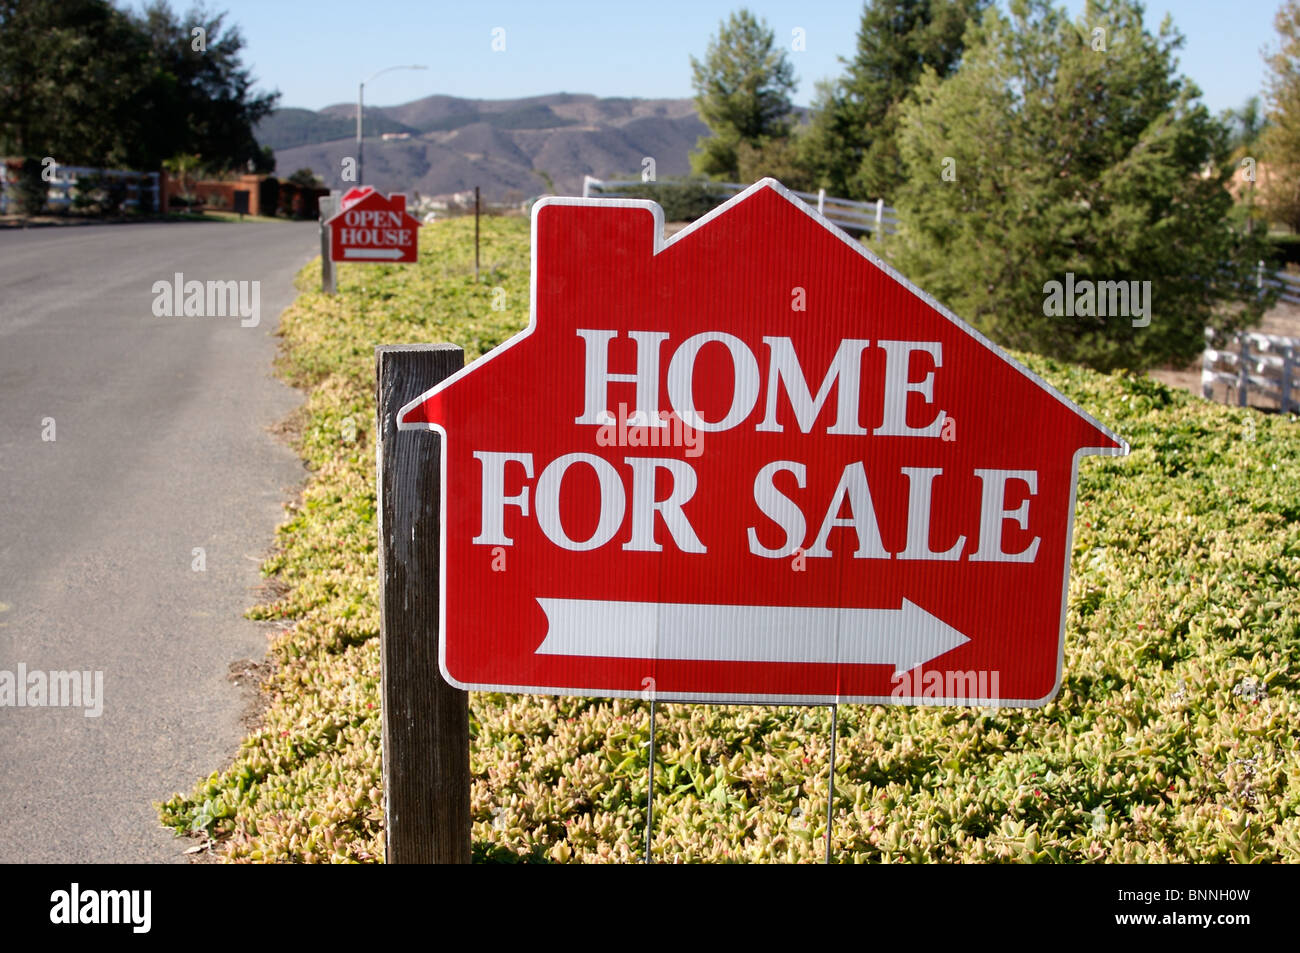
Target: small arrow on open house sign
(752, 463)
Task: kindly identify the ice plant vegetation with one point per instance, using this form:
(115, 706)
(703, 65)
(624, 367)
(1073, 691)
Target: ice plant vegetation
(1174, 736)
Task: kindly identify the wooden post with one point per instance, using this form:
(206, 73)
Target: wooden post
(476, 234)
(328, 205)
(425, 720)
(1288, 362)
(1243, 371)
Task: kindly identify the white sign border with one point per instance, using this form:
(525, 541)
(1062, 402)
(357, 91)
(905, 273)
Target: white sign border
(657, 213)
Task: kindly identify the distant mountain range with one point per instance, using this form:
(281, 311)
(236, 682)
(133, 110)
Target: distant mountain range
(511, 148)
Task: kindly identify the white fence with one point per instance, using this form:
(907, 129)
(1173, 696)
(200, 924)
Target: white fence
(63, 186)
(1289, 284)
(1264, 363)
(1254, 362)
(876, 217)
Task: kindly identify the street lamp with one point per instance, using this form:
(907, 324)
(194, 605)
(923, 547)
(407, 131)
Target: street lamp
(361, 95)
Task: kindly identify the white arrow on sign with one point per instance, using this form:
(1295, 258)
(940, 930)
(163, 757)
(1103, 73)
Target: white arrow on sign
(903, 637)
(372, 253)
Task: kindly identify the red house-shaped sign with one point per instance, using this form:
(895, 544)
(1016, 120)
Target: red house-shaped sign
(354, 195)
(750, 463)
(369, 227)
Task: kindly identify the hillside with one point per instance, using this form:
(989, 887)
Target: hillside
(287, 128)
(503, 146)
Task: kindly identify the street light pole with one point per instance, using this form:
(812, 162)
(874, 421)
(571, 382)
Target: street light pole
(361, 97)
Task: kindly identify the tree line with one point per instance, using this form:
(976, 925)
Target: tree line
(87, 83)
(1019, 146)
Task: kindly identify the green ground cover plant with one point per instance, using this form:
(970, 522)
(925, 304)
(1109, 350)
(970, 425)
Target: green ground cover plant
(1174, 736)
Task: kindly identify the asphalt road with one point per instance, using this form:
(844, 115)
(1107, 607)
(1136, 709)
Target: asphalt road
(160, 447)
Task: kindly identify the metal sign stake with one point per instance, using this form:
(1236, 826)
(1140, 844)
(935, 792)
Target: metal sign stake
(650, 788)
(830, 798)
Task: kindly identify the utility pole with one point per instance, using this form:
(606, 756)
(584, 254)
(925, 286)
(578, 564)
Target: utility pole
(361, 99)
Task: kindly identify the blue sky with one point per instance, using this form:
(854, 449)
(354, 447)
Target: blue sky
(316, 53)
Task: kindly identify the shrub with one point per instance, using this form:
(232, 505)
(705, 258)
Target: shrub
(1284, 250)
(100, 194)
(683, 200)
(33, 191)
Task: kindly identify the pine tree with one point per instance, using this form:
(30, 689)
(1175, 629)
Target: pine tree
(742, 91)
(851, 142)
(779, 158)
(1062, 147)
